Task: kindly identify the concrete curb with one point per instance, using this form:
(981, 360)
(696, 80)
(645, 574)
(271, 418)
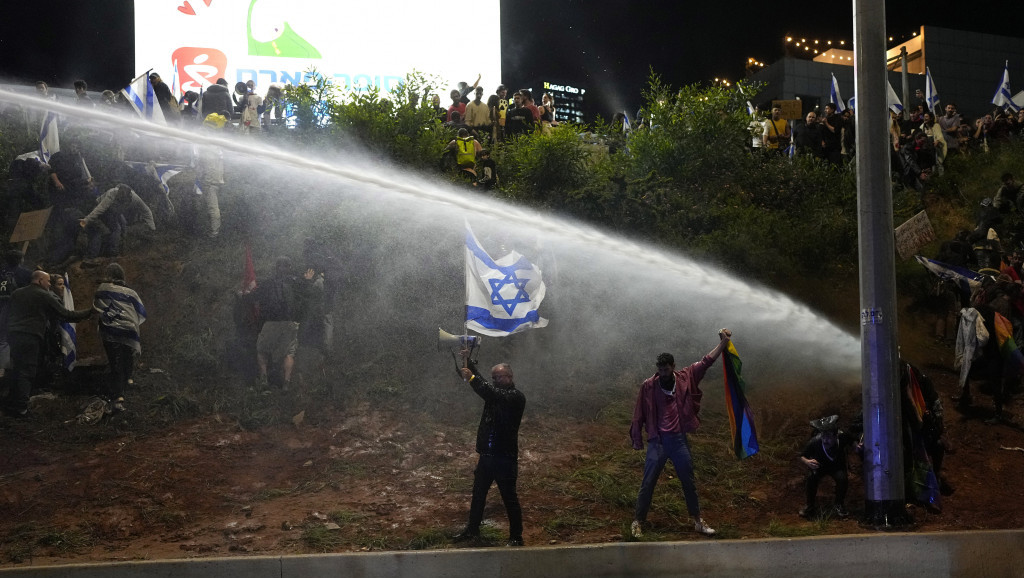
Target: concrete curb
(991, 554)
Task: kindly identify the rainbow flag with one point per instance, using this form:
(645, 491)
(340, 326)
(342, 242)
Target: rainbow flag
(1012, 356)
(741, 419)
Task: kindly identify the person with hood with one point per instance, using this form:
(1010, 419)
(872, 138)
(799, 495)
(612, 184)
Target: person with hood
(216, 99)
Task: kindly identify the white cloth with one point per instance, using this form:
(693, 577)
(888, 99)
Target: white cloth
(971, 337)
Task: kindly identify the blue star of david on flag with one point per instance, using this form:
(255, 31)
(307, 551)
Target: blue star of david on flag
(503, 295)
(509, 304)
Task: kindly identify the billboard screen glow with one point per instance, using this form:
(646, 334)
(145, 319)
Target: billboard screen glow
(355, 45)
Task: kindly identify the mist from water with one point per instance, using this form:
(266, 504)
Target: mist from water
(613, 303)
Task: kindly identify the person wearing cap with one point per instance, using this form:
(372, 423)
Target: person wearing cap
(825, 455)
(121, 313)
(668, 408)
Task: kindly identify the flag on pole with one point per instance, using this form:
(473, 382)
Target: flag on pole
(142, 98)
(741, 419)
(625, 122)
(68, 335)
(931, 94)
(835, 96)
(502, 296)
(1013, 359)
(894, 101)
(175, 85)
(966, 279)
(49, 142)
(1003, 97)
(249, 273)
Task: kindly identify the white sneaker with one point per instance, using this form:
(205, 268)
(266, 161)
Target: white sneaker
(702, 527)
(636, 529)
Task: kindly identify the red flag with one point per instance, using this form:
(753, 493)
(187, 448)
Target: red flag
(249, 275)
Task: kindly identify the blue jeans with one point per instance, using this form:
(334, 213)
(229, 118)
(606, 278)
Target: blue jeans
(670, 446)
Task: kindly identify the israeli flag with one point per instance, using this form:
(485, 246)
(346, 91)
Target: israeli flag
(502, 297)
(163, 174)
(835, 96)
(931, 94)
(1003, 97)
(49, 142)
(142, 98)
(68, 335)
(894, 101)
(625, 122)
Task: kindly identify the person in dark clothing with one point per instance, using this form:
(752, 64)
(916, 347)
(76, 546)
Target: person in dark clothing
(808, 138)
(282, 304)
(71, 193)
(168, 104)
(32, 307)
(216, 99)
(497, 443)
(917, 159)
(825, 455)
(832, 135)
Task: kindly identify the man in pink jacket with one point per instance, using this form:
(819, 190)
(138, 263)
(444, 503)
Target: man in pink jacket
(667, 409)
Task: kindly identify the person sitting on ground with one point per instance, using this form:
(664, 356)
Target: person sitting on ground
(918, 160)
(487, 170)
(121, 313)
(466, 148)
(825, 455)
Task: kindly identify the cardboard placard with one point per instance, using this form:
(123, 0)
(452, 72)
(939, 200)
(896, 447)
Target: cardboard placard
(915, 233)
(791, 109)
(30, 225)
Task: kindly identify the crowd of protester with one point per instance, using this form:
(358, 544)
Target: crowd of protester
(91, 215)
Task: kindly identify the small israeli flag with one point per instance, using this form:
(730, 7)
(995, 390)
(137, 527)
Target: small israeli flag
(142, 98)
(894, 101)
(1003, 97)
(502, 296)
(68, 334)
(931, 94)
(625, 122)
(49, 142)
(835, 96)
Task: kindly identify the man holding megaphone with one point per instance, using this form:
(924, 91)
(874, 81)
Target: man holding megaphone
(497, 442)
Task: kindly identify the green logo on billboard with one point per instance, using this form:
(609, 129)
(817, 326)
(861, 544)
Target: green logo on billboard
(271, 35)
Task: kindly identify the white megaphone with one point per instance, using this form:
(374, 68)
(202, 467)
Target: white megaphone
(462, 342)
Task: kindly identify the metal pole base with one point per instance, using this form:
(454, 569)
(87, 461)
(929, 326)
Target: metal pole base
(886, 515)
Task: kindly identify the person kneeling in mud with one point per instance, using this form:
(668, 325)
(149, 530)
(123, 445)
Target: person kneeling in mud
(825, 455)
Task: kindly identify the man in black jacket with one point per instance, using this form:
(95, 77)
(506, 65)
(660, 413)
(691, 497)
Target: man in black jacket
(497, 442)
(31, 308)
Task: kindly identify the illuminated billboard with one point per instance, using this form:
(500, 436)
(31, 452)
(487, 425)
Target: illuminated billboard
(355, 45)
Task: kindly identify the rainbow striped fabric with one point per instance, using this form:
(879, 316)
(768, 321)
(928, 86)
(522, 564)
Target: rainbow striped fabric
(741, 419)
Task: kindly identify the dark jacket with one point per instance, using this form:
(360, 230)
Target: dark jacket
(33, 306)
(216, 99)
(498, 434)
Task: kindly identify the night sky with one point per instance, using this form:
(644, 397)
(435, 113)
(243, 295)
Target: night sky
(605, 46)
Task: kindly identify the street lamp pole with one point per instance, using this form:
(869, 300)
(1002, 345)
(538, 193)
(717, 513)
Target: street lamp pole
(884, 492)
